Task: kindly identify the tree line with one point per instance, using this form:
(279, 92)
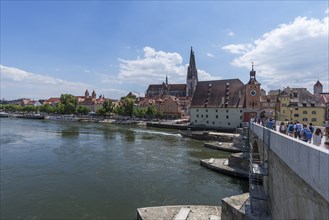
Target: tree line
(69, 105)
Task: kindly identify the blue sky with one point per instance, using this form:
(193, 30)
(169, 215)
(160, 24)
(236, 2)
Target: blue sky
(114, 47)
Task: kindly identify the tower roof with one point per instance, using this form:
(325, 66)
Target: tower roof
(318, 83)
(192, 72)
(252, 74)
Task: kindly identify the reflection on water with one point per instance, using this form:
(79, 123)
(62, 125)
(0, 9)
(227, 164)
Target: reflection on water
(55, 170)
(70, 132)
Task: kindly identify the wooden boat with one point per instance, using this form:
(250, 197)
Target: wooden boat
(31, 116)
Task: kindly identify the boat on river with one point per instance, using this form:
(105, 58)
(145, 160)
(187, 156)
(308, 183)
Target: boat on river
(4, 115)
(72, 118)
(31, 116)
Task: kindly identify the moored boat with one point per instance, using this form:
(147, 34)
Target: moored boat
(63, 118)
(31, 116)
(4, 115)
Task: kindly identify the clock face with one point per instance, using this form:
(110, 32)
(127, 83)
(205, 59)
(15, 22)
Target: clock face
(253, 92)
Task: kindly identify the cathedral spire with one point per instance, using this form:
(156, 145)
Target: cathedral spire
(166, 79)
(192, 71)
(192, 76)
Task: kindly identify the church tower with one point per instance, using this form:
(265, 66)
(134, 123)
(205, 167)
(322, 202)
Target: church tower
(192, 76)
(317, 88)
(86, 94)
(253, 92)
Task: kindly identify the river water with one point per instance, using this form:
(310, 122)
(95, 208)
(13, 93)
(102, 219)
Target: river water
(70, 170)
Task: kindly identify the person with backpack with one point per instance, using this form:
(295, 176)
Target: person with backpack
(290, 129)
(297, 128)
(305, 134)
(311, 127)
(270, 124)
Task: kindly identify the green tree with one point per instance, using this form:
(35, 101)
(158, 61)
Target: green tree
(101, 111)
(29, 108)
(127, 105)
(69, 102)
(151, 111)
(139, 112)
(108, 106)
(11, 108)
(83, 110)
(47, 108)
(59, 108)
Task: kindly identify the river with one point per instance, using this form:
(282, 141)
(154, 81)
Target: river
(80, 170)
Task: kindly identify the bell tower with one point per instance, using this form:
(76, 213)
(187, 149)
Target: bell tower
(253, 92)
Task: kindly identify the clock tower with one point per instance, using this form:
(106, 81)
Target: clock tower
(253, 94)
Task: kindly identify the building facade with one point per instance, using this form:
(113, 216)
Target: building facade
(298, 104)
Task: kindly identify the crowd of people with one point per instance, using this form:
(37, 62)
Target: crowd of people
(304, 132)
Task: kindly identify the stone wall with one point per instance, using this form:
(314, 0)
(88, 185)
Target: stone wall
(297, 183)
(290, 196)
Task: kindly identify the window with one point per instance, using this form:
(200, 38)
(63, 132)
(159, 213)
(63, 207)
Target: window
(197, 110)
(197, 116)
(216, 110)
(207, 122)
(206, 110)
(240, 111)
(213, 122)
(296, 115)
(196, 121)
(229, 123)
(226, 116)
(283, 111)
(206, 116)
(226, 111)
(313, 112)
(314, 119)
(216, 116)
(304, 112)
(201, 116)
(305, 119)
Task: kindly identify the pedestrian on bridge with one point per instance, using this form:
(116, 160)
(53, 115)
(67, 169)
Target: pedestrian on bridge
(317, 137)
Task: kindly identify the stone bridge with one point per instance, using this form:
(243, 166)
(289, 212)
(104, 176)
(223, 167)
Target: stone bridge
(289, 178)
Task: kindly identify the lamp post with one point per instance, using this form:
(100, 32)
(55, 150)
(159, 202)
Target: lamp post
(291, 109)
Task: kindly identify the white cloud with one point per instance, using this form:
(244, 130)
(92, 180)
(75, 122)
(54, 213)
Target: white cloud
(229, 32)
(210, 55)
(17, 83)
(153, 68)
(237, 48)
(294, 54)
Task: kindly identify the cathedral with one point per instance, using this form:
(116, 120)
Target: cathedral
(177, 90)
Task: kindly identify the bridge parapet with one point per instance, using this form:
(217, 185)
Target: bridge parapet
(308, 161)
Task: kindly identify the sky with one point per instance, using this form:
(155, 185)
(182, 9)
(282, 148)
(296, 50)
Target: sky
(49, 48)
